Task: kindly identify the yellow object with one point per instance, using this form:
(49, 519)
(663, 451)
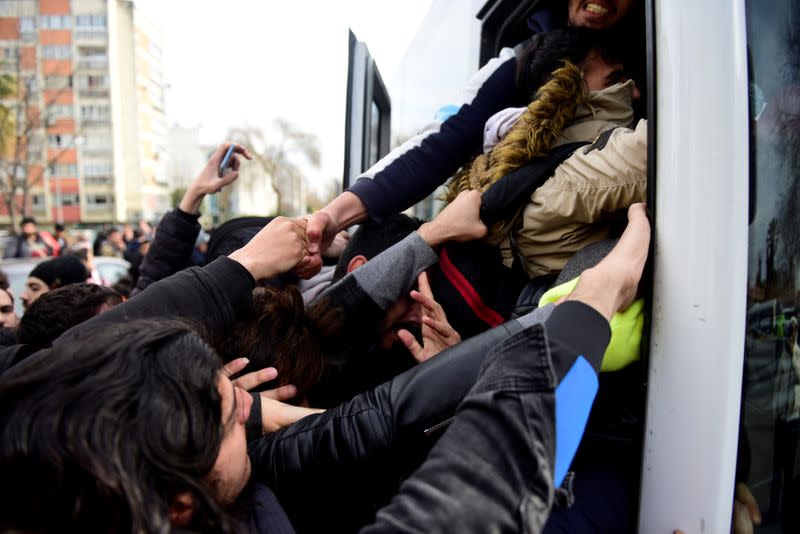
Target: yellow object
(626, 329)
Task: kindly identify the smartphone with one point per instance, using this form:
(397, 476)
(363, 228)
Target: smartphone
(227, 161)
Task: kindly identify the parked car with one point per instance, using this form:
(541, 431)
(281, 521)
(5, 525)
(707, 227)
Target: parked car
(17, 269)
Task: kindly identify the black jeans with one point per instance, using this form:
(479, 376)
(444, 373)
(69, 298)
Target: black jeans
(492, 471)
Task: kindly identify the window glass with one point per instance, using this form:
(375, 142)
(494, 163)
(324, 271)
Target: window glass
(56, 51)
(55, 22)
(768, 479)
(27, 24)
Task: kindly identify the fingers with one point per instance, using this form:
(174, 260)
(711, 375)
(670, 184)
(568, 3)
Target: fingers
(431, 306)
(256, 378)
(442, 329)
(314, 229)
(424, 285)
(239, 149)
(282, 393)
(235, 162)
(227, 179)
(744, 496)
(411, 344)
(234, 366)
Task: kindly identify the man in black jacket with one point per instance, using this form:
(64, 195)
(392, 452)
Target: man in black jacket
(509, 444)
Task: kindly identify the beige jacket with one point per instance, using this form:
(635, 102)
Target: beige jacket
(574, 207)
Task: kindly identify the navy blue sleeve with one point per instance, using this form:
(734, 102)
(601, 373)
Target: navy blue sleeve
(425, 162)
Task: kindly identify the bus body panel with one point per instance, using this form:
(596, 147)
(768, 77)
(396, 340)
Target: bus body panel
(700, 276)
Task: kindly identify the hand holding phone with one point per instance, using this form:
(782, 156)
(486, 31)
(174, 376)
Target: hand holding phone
(227, 161)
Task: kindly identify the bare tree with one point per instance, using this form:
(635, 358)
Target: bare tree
(24, 119)
(278, 158)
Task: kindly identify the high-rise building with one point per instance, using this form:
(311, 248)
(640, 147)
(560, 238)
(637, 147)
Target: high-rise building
(92, 69)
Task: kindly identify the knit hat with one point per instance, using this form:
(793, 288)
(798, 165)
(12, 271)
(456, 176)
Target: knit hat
(60, 271)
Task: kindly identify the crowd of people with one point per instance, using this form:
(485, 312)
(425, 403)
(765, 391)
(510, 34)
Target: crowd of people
(478, 372)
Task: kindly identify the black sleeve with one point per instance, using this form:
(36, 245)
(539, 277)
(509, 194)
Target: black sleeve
(209, 297)
(171, 250)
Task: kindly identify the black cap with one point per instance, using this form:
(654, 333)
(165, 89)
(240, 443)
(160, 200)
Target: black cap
(61, 271)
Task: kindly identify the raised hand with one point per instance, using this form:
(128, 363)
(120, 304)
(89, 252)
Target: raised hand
(209, 181)
(437, 334)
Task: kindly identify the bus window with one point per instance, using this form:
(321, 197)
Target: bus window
(768, 480)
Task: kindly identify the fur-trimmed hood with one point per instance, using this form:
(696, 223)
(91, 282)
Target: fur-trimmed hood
(603, 110)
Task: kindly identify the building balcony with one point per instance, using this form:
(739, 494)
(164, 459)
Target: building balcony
(98, 208)
(97, 151)
(90, 34)
(92, 92)
(92, 63)
(101, 182)
(96, 122)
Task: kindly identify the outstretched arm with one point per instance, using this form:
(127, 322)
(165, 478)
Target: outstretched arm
(517, 430)
(171, 250)
(212, 296)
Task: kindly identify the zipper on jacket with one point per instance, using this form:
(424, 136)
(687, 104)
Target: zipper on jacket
(438, 426)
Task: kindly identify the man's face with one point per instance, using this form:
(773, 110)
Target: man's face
(597, 14)
(34, 288)
(231, 471)
(115, 237)
(28, 229)
(8, 317)
(599, 74)
(406, 314)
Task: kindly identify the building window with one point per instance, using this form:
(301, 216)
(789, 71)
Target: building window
(61, 140)
(99, 201)
(55, 22)
(98, 180)
(10, 54)
(91, 22)
(96, 113)
(56, 51)
(97, 168)
(37, 201)
(57, 82)
(55, 112)
(70, 199)
(93, 82)
(27, 24)
(99, 141)
(63, 169)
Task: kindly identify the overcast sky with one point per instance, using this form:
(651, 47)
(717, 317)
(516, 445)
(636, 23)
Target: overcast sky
(246, 62)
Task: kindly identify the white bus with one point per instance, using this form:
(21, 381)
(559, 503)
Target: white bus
(723, 382)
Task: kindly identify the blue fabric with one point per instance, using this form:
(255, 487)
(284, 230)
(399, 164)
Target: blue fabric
(574, 397)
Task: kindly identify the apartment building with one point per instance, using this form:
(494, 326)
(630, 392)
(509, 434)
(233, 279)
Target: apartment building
(94, 71)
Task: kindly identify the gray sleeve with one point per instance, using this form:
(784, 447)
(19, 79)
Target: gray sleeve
(537, 316)
(394, 271)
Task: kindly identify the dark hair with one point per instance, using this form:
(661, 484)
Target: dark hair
(27, 220)
(59, 227)
(372, 238)
(547, 52)
(3, 280)
(57, 311)
(282, 334)
(101, 435)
